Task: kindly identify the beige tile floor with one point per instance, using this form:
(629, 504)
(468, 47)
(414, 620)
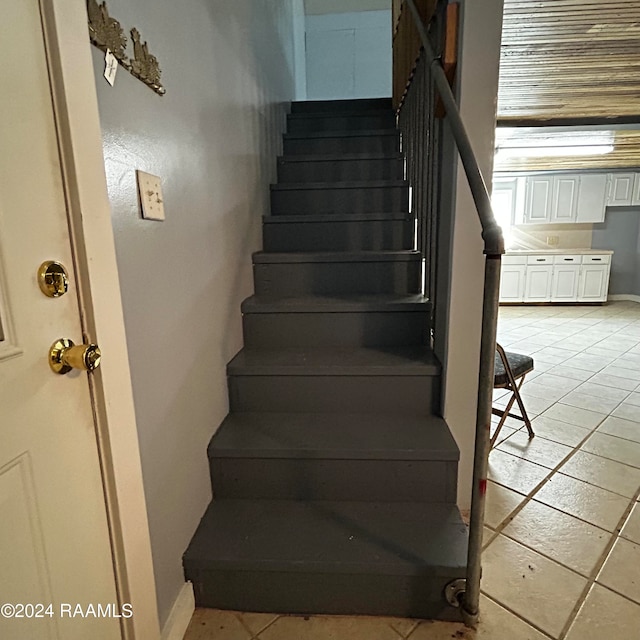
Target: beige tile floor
(562, 536)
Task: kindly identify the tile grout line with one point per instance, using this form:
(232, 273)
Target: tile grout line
(591, 580)
(517, 615)
(255, 636)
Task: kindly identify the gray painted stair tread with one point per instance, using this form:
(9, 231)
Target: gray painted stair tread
(336, 217)
(342, 436)
(312, 106)
(361, 133)
(363, 112)
(336, 361)
(342, 157)
(336, 256)
(330, 537)
(335, 304)
(364, 184)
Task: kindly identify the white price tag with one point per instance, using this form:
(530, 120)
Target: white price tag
(110, 67)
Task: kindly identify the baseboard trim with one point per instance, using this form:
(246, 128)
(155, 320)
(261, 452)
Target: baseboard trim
(624, 296)
(180, 616)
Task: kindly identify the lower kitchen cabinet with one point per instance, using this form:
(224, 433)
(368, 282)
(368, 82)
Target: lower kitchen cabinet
(512, 282)
(555, 278)
(594, 283)
(564, 283)
(537, 283)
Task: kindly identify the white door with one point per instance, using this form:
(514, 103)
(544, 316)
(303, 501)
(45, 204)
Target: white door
(538, 284)
(512, 283)
(54, 538)
(564, 283)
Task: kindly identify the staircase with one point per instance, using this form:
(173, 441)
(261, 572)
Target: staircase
(334, 478)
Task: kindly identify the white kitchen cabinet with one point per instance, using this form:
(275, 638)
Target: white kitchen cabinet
(503, 200)
(594, 283)
(565, 198)
(592, 198)
(547, 277)
(512, 282)
(564, 283)
(551, 199)
(538, 199)
(537, 287)
(594, 278)
(635, 198)
(620, 189)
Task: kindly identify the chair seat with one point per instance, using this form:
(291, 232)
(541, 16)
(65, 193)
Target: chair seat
(519, 363)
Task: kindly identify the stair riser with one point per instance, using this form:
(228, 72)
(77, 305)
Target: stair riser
(308, 592)
(346, 144)
(341, 170)
(411, 395)
(364, 329)
(350, 480)
(366, 235)
(333, 106)
(364, 200)
(355, 122)
(309, 278)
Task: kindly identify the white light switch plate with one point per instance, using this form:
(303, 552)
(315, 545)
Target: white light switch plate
(151, 199)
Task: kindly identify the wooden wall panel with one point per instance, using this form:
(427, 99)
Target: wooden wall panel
(407, 45)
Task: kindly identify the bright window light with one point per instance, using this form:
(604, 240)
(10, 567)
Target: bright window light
(548, 152)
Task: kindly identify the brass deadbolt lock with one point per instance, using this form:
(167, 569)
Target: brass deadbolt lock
(53, 279)
(64, 356)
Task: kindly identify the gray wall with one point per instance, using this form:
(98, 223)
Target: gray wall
(213, 139)
(620, 233)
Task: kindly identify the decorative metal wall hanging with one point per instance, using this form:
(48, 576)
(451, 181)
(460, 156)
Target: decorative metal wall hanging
(106, 32)
(144, 65)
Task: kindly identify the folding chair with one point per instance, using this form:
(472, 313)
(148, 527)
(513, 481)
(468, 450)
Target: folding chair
(510, 367)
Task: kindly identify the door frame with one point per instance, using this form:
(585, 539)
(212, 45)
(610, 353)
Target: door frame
(79, 134)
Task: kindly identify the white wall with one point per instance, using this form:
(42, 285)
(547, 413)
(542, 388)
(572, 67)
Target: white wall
(348, 55)
(213, 139)
(477, 91)
(345, 6)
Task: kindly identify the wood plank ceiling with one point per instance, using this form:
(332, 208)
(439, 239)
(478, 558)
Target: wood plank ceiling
(574, 63)
(566, 60)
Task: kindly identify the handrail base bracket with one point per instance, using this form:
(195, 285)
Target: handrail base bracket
(454, 591)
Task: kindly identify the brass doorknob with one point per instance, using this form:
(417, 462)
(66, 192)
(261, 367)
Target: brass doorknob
(64, 355)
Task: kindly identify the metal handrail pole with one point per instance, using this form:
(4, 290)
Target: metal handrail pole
(471, 597)
(493, 249)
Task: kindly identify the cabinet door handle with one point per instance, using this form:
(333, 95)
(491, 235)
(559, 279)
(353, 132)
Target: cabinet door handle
(596, 259)
(568, 259)
(540, 259)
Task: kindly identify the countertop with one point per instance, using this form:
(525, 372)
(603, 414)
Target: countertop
(572, 251)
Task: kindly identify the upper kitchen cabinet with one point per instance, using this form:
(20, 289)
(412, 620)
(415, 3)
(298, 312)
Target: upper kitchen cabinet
(621, 189)
(565, 198)
(507, 200)
(538, 199)
(592, 197)
(551, 199)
